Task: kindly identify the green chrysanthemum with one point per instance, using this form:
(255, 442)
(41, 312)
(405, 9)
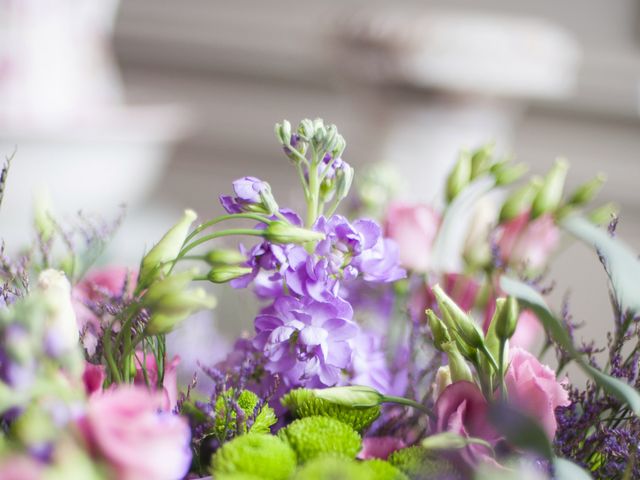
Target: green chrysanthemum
(247, 401)
(377, 469)
(259, 454)
(311, 437)
(331, 468)
(418, 464)
(303, 403)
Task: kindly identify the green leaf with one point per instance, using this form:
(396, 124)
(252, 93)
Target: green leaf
(567, 470)
(534, 301)
(452, 232)
(451, 441)
(520, 430)
(622, 263)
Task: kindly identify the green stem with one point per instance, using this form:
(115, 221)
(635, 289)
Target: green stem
(485, 351)
(222, 218)
(224, 233)
(314, 192)
(406, 401)
(503, 386)
(108, 353)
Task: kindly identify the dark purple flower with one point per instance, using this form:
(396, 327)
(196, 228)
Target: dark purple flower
(305, 341)
(249, 191)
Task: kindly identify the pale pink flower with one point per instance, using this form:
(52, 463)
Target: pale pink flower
(414, 228)
(21, 467)
(127, 427)
(528, 332)
(533, 388)
(524, 242)
(169, 382)
(380, 447)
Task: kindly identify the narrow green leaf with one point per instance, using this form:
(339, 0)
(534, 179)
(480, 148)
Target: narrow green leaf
(450, 239)
(520, 429)
(534, 301)
(622, 263)
(567, 470)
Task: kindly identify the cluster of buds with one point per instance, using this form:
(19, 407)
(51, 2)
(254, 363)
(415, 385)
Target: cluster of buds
(321, 138)
(481, 162)
(542, 196)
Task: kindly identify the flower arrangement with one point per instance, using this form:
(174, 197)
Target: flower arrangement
(390, 343)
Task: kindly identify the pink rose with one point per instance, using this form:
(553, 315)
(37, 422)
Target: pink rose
(170, 380)
(126, 427)
(462, 409)
(414, 227)
(533, 388)
(524, 242)
(109, 281)
(380, 447)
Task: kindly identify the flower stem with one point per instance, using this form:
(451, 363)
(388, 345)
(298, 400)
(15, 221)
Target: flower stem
(406, 401)
(222, 218)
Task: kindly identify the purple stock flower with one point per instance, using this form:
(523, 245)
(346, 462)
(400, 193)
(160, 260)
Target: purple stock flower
(379, 260)
(248, 191)
(306, 341)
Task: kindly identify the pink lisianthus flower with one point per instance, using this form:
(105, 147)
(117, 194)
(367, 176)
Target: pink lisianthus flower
(528, 332)
(533, 388)
(529, 243)
(126, 427)
(463, 409)
(380, 447)
(414, 228)
(93, 378)
(170, 380)
(108, 281)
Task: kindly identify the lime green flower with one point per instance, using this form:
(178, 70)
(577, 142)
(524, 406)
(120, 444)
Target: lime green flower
(311, 437)
(328, 467)
(417, 463)
(303, 403)
(259, 454)
(377, 469)
(247, 401)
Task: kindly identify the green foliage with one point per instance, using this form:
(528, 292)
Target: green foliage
(418, 464)
(262, 455)
(303, 403)
(247, 401)
(311, 437)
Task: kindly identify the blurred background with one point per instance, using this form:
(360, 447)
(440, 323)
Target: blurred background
(161, 104)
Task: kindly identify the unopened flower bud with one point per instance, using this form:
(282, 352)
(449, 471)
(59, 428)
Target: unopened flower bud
(356, 396)
(464, 325)
(459, 177)
(507, 319)
(61, 317)
(458, 366)
(283, 132)
(226, 273)
(481, 161)
(520, 201)
(172, 309)
(157, 261)
(42, 216)
(604, 214)
(438, 330)
(269, 204)
(550, 195)
(224, 256)
(339, 147)
(587, 191)
(344, 179)
(442, 381)
(504, 173)
(283, 232)
(306, 129)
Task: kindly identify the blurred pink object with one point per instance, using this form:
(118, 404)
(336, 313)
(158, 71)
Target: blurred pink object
(170, 381)
(462, 409)
(380, 447)
(126, 427)
(533, 388)
(414, 227)
(528, 332)
(93, 378)
(21, 468)
(522, 242)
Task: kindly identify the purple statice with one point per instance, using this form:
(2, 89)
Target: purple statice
(250, 192)
(306, 341)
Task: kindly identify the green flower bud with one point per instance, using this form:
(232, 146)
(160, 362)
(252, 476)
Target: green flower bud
(481, 161)
(587, 191)
(604, 214)
(226, 273)
(357, 396)
(283, 132)
(305, 403)
(417, 462)
(265, 456)
(224, 256)
(306, 129)
(550, 195)
(451, 441)
(311, 437)
(154, 263)
(507, 319)
(247, 401)
(464, 325)
(457, 364)
(339, 147)
(42, 216)
(377, 469)
(520, 201)
(344, 179)
(329, 467)
(459, 177)
(283, 232)
(505, 173)
(438, 330)
(442, 381)
(168, 285)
